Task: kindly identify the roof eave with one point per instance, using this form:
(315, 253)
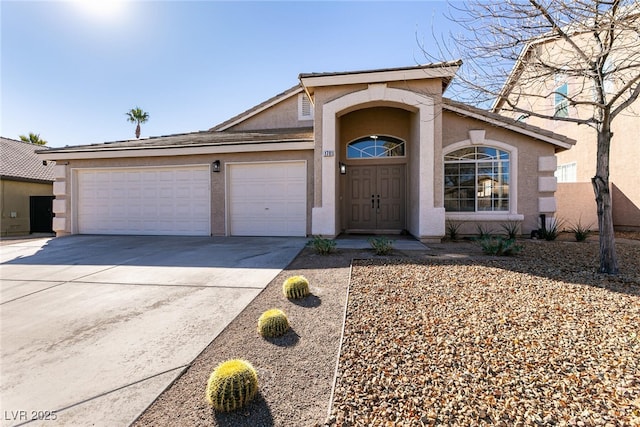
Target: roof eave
(443, 71)
(560, 144)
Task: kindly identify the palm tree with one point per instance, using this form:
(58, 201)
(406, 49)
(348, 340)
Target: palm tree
(33, 138)
(136, 115)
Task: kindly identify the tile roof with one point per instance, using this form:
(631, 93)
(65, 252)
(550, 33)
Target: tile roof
(19, 161)
(456, 63)
(543, 134)
(195, 139)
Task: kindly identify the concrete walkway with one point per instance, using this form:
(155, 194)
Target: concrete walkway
(93, 328)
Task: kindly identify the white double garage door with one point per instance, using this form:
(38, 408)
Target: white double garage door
(262, 199)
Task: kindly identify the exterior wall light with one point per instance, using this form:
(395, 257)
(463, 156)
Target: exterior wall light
(215, 166)
(343, 169)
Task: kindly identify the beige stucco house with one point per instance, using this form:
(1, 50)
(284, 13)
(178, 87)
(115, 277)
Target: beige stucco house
(26, 189)
(569, 96)
(376, 151)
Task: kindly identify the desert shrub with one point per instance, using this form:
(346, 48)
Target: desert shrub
(381, 245)
(581, 232)
(232, 385)
(483, 231)
(511, 229)
(273, 323)
(498, 245)
(552, 230)
(453, 229)
(322, 246)
(295, 287)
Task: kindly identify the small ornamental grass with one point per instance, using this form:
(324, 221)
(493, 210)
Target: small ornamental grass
(498, 245)
(232, 385)
(511, 229)
(322, 246)
(581, 232)
(295, 287)
(453, 229)
(381, 245)
(552, 230)
(273, 323)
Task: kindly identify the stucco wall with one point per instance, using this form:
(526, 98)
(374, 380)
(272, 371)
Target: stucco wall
(280, 116)
(218, 184)
(577, 205)
(15, 198)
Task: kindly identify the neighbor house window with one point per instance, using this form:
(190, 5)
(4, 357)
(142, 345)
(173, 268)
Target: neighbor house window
(567, 172)
(305, 107)
(375, 146)
(561, 102)
(476, 179)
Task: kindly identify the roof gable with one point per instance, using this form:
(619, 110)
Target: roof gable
(253, 111)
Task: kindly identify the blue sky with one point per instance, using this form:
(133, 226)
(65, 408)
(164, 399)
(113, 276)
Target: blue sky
(70, 72)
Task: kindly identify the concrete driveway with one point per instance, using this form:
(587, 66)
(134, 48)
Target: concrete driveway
(95, 327)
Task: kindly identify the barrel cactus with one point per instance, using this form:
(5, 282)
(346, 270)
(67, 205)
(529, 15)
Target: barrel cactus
(295, 287)
(232, 385)
(273, 323)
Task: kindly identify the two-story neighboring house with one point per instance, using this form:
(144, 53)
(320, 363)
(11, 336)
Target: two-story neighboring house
(543, 90)
(373, 151)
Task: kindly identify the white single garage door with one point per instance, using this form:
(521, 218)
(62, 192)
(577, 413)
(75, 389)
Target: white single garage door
(268, 199)
(155, 201)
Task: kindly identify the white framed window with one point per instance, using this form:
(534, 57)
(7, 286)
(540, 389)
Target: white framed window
(567, 172)
(305, 107)
(375, 146)
(477, 179)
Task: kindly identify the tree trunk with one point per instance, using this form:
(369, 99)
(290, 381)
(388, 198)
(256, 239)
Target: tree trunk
(608, 257)
(138, 131)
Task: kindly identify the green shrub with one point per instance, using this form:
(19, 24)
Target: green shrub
(498, 245)
(381, 245)
(322, 246)
(552, 230)
(232, 385)
(273, 323)
(581, 232)
(511, 229)
(295, 287)
(453, 229)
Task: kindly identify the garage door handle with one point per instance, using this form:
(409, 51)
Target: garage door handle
(373, 202)
(378, 201)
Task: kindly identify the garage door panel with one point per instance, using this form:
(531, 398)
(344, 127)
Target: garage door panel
(144, 201)
(268, 199)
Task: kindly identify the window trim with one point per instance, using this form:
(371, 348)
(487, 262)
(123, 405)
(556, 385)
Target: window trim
(512, 213)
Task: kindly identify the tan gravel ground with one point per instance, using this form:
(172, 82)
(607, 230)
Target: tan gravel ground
(443, 337)
(538, 339)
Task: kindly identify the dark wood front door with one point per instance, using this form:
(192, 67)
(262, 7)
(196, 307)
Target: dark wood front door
(376, 198)
(41, 214)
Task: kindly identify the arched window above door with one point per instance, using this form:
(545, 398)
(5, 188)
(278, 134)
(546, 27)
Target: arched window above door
(375, 146)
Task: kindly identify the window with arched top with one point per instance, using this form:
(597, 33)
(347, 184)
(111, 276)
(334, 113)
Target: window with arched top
(375, 146)
(476, 179)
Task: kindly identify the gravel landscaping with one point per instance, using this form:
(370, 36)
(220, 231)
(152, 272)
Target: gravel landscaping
(538, 339)
(446, 336)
